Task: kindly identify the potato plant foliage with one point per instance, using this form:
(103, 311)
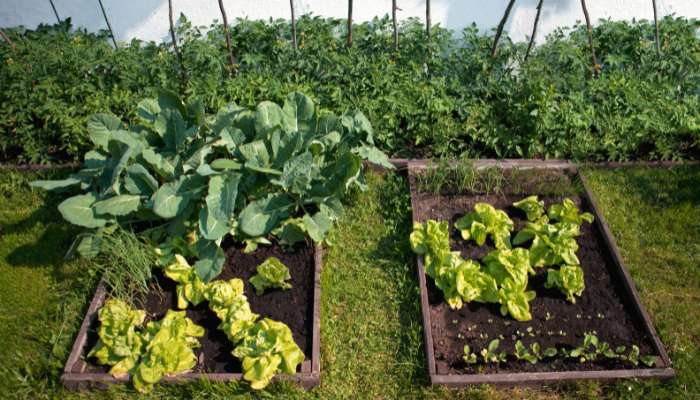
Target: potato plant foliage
(274, 171)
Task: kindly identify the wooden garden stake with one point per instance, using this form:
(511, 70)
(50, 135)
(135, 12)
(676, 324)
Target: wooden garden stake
(656, 27)
(427, 18)
(534, 29)
(55, 12)
(395, 24)
(349, 41)
(594, 59)
(294, 26)
(183, 71)
(499, 29)
(109, 26)
(231, 58)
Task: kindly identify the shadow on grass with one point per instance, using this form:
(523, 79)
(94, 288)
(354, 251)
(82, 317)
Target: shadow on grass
(394, 252)
(665, 187)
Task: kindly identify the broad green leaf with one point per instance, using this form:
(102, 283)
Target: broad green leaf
(57, 184)
(95, 159)
(171, 126)
(100, 127)
(172, 198)
(318, 226)
(224, 163)
(168, 100)
(375, 156)
(118, 205)
(139, 181)
(298, 112)
(297, 174)
(212, 228)
(89, 246)
(261, 216)
(148, 110)
(78, 210)
(160, 164)
(120, 154)
(268, 116)
(211, 260)
(221, 198)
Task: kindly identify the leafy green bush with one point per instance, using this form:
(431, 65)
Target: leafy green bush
(276, 171)
(442, 97)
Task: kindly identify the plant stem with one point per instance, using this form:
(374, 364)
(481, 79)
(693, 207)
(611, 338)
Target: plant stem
(231, 58)
(55, 12)
(183, 71)
(109, 26)
(294, 26)
(349, 41)
(656, 27)
(589, 29)
(395, 25)
(499, 29)
(534, 29)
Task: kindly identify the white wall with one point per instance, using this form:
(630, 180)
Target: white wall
(148, 19)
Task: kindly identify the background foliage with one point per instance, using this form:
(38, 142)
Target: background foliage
(442, 97)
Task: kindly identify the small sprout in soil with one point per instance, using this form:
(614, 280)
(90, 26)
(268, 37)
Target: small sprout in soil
(548, 316)
(600, 316)
(454, 321)
(578, 316)
(501, 337)
(469, 357)
(506, 323)
(460, 336)
(490, 321)
(490, 354)
(589, 317)
(529, 329)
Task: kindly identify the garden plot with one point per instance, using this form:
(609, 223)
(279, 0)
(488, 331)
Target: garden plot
(297, 307)
(544, 332)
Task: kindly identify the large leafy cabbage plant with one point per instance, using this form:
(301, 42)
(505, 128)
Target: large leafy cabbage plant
(276, 170)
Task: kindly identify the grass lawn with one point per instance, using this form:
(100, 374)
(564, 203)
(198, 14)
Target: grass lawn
(371, 333)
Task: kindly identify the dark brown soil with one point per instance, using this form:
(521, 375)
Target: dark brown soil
(603, 308)
(294, 307)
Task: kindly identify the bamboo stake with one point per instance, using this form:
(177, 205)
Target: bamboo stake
(349, 40)
(294, 26)
(7, 39)
(183, 71)
(395, 24)
(589, 29)
(104, 14)
(499, 29)
(656, 26)
(534, 29)
(55, 12)
(427, 18)
(231, 58)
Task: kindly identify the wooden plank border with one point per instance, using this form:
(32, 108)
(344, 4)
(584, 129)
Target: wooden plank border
(74, 376)
(663, 369)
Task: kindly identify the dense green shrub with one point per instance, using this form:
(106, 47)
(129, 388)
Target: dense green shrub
(445, 96)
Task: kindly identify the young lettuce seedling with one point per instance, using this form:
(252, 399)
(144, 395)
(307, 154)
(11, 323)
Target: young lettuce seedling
(272, 273)
(490, 354)
(469, 357)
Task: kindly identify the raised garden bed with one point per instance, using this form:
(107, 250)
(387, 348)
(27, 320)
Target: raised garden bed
(609, 305)
(298, 307)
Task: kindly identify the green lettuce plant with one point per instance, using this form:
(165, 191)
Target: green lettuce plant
(241, 173)
(486, 221)
(469, 357)
(510, 269)
(190, 288)
(272, 273)
(491, 354)
(533, 208)
(164, 347)
(552, 244)
(120, 344)
(267, 347)
(569, 213)
(568, 279)
(168, 350)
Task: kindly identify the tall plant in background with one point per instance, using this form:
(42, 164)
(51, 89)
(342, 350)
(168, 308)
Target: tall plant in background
(53, 7)
(231, 58)
(294, 25)
(109, 26)
(589, 31)
(499, 29)
(349, 24)
(183, 70)
(656, 28)
(531, 42)
(395, 25)
(428, 21)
